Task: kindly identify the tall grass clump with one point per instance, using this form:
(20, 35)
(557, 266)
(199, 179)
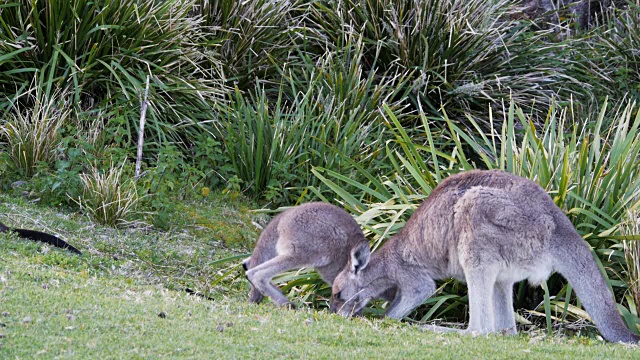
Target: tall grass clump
(248, 41)
(461, 54)
(327, 110)
(617, 40)
(108, 197)
(32, 133)
(594, 178)
(102, 52)
(632, 259)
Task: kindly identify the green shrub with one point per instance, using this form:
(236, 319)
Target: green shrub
(59, 185)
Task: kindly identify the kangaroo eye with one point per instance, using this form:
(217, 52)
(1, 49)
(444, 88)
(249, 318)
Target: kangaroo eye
(337, 295)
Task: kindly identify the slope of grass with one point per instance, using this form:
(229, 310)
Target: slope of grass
(48, 311)
(187, 256)
(113, 302)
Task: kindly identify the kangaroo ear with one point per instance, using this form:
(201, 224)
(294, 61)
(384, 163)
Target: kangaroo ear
(360, 257)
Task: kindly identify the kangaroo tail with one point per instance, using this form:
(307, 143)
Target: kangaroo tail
(40, 236)
(575, 262)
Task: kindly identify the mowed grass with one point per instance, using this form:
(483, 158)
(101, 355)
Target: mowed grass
(104, 305)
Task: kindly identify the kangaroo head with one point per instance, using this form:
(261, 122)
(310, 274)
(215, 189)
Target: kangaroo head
(349, 295)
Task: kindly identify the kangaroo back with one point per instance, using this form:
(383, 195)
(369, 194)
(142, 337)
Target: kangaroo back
(317, 235)
(574, 261)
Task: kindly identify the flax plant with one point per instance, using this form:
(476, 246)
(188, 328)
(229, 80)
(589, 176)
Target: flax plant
(327, 111)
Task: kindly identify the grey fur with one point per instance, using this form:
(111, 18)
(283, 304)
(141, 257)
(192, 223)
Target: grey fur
(490, 229)
(299, 237)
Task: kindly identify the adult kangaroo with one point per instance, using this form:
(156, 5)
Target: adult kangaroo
(317, 235)
(490, 229)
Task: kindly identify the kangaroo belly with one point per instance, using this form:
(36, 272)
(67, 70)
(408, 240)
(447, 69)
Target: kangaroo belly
(536, 274)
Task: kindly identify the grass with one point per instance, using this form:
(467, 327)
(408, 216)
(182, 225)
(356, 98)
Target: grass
(108, 198)
(115, 302)
(632, 257)
(32, 133)
(182, 257)
(81, 316)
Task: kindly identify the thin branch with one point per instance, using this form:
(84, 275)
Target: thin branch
(143, 115)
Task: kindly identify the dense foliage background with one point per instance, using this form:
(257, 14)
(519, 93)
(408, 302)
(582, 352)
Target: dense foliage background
(367, 103)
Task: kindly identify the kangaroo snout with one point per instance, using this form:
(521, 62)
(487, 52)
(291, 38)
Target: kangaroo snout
(346, 309)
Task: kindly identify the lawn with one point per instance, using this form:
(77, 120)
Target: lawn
(125, 298)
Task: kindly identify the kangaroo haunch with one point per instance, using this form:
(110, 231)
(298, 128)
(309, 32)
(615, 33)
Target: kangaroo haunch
(489, 229)
(40, 236)
(316, 235)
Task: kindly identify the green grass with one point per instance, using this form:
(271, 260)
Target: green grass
(108, 303)
(81, 315)
(186, 256)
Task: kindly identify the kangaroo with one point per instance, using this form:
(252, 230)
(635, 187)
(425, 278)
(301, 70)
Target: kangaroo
(490, 229)
(300, 237)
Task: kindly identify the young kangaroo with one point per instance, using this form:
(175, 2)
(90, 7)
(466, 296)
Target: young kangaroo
(300, 237)
(490, 229)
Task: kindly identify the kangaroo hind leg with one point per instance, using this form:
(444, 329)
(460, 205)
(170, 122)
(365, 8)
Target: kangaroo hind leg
(505, 320)
(261, 275)
(481, 322)
(481, 281)
(255, 296)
